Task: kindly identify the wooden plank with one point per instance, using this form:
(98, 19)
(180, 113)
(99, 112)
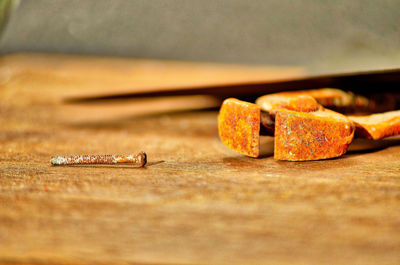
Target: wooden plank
(196, 202)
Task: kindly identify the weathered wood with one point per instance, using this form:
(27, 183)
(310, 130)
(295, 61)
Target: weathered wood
(196, 202)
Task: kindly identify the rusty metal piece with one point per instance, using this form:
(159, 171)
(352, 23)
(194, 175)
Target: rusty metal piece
(301, 136)
(139, 159)
(328, 97)
(377, 126)
(239, 126)
(272, 103)
(303, 129)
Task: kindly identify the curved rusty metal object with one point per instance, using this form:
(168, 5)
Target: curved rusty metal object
(302, 127)
(377, 126)
(330, 98)
(303, 136)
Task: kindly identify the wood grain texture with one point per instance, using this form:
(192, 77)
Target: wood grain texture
(196, 202)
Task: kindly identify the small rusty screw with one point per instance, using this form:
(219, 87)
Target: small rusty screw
(139, 159)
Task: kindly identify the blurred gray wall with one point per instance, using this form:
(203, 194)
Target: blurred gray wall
(323, 35)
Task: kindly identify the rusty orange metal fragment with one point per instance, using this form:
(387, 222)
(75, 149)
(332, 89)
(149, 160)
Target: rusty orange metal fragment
(303, 128)
(272, 103)
(301, 136)
(239, 126)
(327, 97)
(377, 126)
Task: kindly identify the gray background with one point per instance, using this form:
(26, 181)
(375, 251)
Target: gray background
(322, 35)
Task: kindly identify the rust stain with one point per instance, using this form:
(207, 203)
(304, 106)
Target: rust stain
(239, 126)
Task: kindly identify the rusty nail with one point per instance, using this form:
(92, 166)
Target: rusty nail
(139, 159)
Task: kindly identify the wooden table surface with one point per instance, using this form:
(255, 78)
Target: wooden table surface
(197, 202)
